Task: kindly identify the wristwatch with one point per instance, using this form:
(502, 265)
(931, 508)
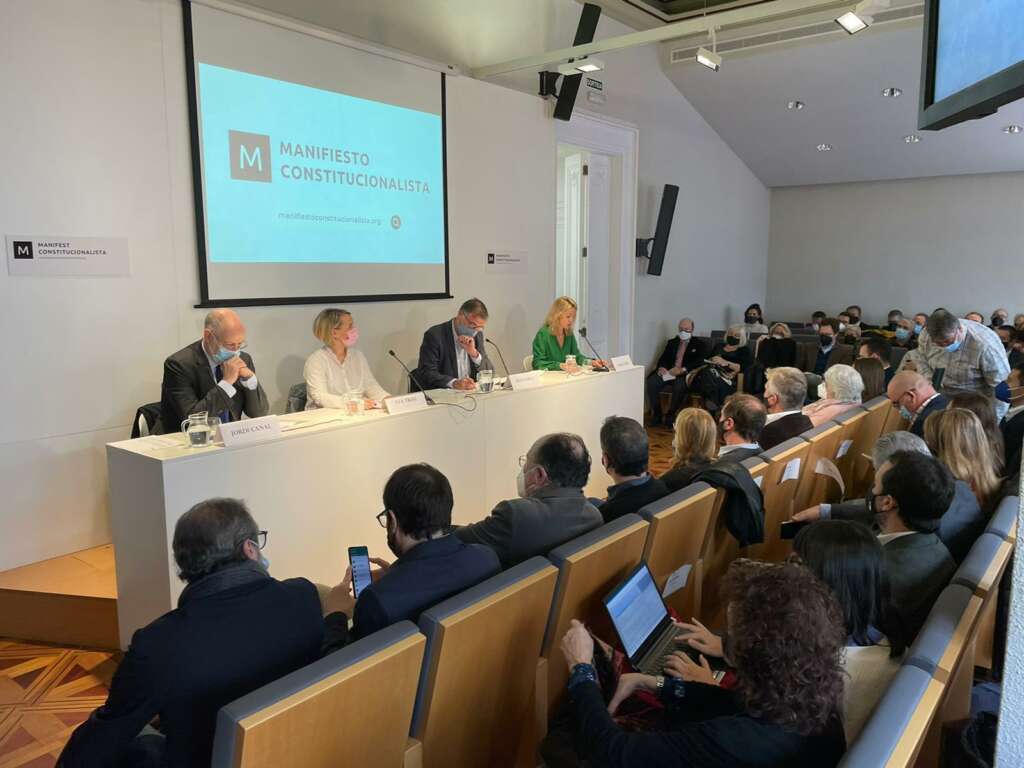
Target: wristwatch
(659, 683)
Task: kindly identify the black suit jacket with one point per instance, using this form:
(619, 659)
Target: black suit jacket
(807, 356)
(188, 387)
(693, 357)
(192, 661)
(629, 500)
(680, 477)
(438, 362)
(938, 403)
(780, 430)
(919, 568)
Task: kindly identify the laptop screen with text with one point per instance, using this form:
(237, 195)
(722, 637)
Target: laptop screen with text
(636, 609)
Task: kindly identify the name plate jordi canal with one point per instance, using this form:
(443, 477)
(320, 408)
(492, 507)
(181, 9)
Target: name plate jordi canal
(249, 431)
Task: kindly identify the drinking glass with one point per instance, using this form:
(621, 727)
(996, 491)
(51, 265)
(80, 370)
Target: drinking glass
(485, 380)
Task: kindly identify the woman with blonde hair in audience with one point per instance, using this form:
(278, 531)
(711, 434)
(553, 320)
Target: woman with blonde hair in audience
(958, 440)
(873, 375)
(338, 371)
(1018, 321)
(984, 407)
(717, 380)
(840, 391)
(693, 447)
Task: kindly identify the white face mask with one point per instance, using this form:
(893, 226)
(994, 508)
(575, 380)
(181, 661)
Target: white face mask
(778, 335)
(684, 335)
(842, 327)
(265, 562)
(822, 393)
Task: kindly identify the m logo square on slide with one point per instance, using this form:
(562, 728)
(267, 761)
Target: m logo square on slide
(250, 156)
(22, 249)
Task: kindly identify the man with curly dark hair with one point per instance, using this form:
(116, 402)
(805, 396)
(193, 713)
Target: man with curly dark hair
(785, 639)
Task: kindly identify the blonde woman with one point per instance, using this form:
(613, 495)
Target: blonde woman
(962, 445)
(730, 357)
(693, 447)
(338, 370)
(555, 340)
(840, 392)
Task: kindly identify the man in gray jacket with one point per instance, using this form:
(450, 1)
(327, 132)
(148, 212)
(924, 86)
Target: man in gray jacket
(551, 508)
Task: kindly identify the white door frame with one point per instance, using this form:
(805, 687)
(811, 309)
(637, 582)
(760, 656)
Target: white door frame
(619, 139)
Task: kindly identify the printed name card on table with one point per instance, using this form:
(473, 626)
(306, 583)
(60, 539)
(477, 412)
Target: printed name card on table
(844, 448)
(677, 580)
(249, 431)
(528, 380)
(414, 401)
(622, 363)
(792, 471)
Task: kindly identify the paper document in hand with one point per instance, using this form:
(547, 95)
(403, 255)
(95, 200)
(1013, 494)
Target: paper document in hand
(666, 376)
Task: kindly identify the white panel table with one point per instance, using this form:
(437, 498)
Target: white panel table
(317, 488)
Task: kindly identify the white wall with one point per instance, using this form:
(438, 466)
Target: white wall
(952, 241)
(96, 143)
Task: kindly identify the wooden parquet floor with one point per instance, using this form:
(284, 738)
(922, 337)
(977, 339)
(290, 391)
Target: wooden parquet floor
(45, 692)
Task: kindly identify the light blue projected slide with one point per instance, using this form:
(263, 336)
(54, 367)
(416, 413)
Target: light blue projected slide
(976, 39)
(294, 174)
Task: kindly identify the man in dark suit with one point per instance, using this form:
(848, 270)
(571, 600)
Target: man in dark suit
(916, 398)
(682, 353)
(818, 358)
(784, 394)
(453, 351)
(551, 509)
(624, 453)
(212, 375)
(960, 526)
(432, 565)
(880, 350)
(740, 424)
(235, 629)
(910, 495)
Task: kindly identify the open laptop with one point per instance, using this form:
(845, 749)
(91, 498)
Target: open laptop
(642, 621)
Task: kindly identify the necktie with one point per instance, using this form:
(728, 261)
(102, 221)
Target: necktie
(224, 416)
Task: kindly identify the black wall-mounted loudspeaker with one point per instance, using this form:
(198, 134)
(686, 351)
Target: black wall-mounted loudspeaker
(585, 31)
(660, 239)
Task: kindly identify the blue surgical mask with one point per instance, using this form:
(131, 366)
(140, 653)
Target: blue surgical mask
(906, 414)
(955, 346)
(918, 328)
(264, 563)
(902, 334)
(224, 354)
(465, 330)
(684, 335)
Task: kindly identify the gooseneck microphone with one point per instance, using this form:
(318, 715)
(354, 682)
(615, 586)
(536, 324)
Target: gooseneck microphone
(596, 368)
(503, 363)
(429, 399)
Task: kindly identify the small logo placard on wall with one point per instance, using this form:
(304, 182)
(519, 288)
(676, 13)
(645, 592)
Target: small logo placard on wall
(505, 262)
(68, 256)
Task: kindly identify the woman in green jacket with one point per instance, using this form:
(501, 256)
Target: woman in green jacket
(555, 340)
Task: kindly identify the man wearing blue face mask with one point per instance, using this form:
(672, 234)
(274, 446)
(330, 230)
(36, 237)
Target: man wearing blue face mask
(682, 353)
(213, 375)
(453, 352)
(970, 356)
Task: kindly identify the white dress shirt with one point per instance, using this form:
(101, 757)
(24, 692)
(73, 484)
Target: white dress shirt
(776, 416)
(229, 389)
(329, 382)
(885, 538)
(729, 448)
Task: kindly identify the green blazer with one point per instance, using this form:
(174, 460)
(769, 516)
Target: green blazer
(547, 355)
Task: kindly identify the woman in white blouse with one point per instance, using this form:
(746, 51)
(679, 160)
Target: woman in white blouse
(338, 370)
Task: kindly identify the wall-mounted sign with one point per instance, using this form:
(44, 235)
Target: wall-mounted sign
(67, 256)
(594, 83)
(506, 262)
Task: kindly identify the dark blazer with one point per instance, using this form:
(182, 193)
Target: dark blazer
(424, 576)
(680, 477)
(939, 402)
(192, 661)
(807, 356)
(919, 568)
(438, 361)
(959, 527)
(1013, 438)
(627, 500)
(188, 387)
(518, 529)
(781, 430)
(737, 455)
(692, 357)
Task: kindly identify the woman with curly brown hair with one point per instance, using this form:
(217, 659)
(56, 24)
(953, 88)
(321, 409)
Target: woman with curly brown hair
(785, 637)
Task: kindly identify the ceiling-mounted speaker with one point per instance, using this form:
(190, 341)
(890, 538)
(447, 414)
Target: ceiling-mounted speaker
(585, 32)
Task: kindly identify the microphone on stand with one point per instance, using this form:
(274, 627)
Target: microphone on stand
(596, 368)
(503, 363)
(429, 399)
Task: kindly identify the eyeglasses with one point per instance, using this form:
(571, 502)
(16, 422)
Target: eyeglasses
(382, 518)
(238, 347)
(260, 539)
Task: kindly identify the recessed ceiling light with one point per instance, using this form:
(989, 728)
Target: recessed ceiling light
(1013, 129)
(824, 147)
(912, 139)
(892, 92)
(853, 23)
(795, 104)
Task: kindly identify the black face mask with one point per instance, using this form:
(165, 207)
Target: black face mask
(753, 319)
(893, 324)
(854, 319)
(825, 340)
(732, 341)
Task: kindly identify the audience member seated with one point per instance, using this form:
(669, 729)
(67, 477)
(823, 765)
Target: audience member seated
(1013, 437)
(753, 320)
(1018, 321)
(431, 564)
(904, 335)
(555, 341)
(975, 317)
(338, 371)
(893, 320)
(840, 392)
(849, 559)
(970, 355)
(827, 352)
(1000, 317)
(1015, 353)
(453, 351)
(872, 374)
(551, 508)
(984, 408)
(683, 353)
(1005, 332)
(785, 640)
(817, 318)
(784, 394)
(880, 350)
(624, 453)
(910, 495)
(739, 428)
(854, 313)
(730, 358)
(777, 349)
(916, 399)
(236, 628)
(961, 524)
(693, 447)
(956, 437)
(213, 375)
(919, 322)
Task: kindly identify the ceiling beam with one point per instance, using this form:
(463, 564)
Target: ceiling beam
(739, 16)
